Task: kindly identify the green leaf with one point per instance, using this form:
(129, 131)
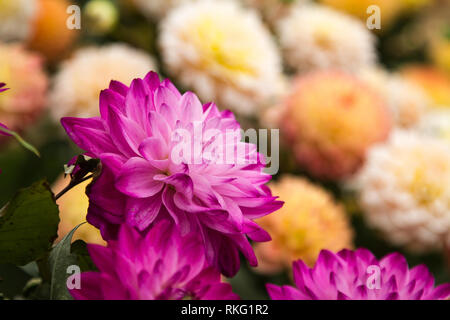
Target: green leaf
(60, 259)
(28, 224)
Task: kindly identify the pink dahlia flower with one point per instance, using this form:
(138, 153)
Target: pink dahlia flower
(162, 265)
(358, 275)
(163, 154)
(2, 84)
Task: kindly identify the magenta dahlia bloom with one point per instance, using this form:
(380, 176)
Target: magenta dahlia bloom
(2, 85)
(164, 154)
(163, 265)
(358, 275)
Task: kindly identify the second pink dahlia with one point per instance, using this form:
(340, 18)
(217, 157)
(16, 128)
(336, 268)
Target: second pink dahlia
(358, 275)
(166, 154)
(160, 266)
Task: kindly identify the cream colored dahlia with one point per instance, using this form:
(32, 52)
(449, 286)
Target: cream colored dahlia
(224, 53)
(23, 71)
(405, 191)
(77, 85)
(407, 101)
(16, 18)
(309, 221)
(317, 37)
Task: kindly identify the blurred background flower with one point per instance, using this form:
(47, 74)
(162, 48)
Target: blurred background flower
(436, 123)
(236, 65)
(157, 9)
(314, 36)
(50, 35)
(405, 192)
(331, 120)
(435, 83)
(309, 221)
(24, 73)
(406, 100)
(73, 207)
(390, 10)
(77, 85)
(16, 18)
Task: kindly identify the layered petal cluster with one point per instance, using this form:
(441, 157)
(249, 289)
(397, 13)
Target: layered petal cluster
(317, 37)
(72, 211)
(166, 154)
(309, 221)
(358, 275)
(237, 64)
(405, 192)
(407, 101)
(50, 34)
(24, 73)
(162, 265)
(77, 84)
(16, 18)
(331, 119)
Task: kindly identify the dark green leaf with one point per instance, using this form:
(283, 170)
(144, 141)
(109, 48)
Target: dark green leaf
(28, 224)
(60, 259)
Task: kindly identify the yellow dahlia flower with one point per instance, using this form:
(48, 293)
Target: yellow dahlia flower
(222, 52)
(390, 10)
(73, 207)
(405, 191)
(331, 120)
(317, 37)
(435, 83)
(77, 85)
(440, 54)
(309, 221)
(16, 17)
(24, 74)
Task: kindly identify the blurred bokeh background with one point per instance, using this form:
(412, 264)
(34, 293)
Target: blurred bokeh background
(360, 91)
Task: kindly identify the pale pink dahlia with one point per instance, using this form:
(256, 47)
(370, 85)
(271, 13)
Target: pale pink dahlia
(164, 154)
(162, 265)
(358, 275)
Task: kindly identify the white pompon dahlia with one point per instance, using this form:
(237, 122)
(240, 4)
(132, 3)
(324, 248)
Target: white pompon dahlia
(224, 53)
(77, 85)
(317, 37)
(16, 18)
(405, 191)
